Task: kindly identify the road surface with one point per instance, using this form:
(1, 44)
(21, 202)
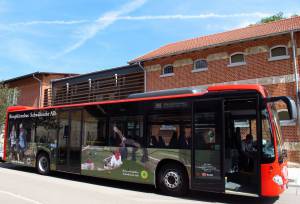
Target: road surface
(23, 185)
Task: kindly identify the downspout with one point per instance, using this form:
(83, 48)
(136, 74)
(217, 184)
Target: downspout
(145, 76)
(40, 89)
(295, 72)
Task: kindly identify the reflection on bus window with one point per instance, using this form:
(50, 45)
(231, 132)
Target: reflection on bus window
(126, 132)
(278, 131)
(94, 130)
(46, 130)
(268, 153)
(169, 131)
(205, 127)
(246, 127)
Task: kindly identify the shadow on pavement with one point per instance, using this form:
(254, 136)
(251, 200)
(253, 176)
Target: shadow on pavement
(193, 195)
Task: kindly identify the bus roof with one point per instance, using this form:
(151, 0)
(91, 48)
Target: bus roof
(259, 88)
(164, 94)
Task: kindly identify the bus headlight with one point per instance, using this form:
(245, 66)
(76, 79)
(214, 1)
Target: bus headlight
(278, 180)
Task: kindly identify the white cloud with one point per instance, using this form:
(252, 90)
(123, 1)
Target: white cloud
(200, 16)
(55, 22)
(113, 16)
(101, 23)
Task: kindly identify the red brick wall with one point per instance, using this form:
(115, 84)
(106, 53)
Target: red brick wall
(257, 66)
(28, 91)
(29, 88)
(294, 156)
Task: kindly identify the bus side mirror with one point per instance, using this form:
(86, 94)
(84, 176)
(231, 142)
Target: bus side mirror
(290, 104)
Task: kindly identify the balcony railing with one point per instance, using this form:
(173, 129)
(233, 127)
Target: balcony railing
(109, 88)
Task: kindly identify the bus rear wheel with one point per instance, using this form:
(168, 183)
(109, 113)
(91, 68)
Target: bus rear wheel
(172, 180)
(43, 164)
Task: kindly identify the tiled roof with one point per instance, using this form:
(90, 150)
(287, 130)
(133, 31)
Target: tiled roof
(242, 34)
(34, 74)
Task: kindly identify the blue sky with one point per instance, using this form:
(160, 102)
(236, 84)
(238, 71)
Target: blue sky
(87, 35)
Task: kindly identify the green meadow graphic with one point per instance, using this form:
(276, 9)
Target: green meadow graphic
(127, 163)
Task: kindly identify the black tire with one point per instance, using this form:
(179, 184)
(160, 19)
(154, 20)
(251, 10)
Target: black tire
(43, 164)
(172, 180)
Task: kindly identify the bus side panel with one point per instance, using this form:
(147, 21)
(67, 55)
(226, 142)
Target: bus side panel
(5, 138)
(21, 147)
(274, 179)
(274, 176)
(20, 155)
(128, 163)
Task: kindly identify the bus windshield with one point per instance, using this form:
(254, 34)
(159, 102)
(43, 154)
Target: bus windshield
(268, 153)
(275, 118)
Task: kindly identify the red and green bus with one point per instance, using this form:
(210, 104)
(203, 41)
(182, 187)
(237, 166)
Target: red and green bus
(224, 139)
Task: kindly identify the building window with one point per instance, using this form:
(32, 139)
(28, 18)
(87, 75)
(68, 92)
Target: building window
(200, 65)
(168, 70)
(278, 53)
(237, 59)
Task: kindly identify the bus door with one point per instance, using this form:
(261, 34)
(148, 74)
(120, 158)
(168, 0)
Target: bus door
(69, 141)
(208, 146)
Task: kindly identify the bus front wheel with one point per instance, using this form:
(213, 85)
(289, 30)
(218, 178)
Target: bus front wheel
(172, 180)
(43, 164)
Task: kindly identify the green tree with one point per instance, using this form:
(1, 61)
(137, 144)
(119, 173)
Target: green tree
(7, 97)
(272, 18)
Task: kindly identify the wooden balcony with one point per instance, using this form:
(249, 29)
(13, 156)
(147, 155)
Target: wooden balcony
(116, 86)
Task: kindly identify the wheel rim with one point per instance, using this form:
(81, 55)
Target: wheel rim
(171, 179)
(43, 164)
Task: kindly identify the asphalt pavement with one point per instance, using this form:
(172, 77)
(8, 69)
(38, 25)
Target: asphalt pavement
(23, 185)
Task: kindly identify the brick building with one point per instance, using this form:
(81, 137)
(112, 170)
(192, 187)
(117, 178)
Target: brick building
(267, 54)
(32, 87)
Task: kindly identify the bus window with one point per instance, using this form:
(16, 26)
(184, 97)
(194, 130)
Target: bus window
(94, 130)
(205, 128)
(41, 133)
(169, 131)
(268, 153)
(75, 129)
(46, 130)
(117, 131)
(246, 127)
(278, 130)
(135, 129)
(126, 131)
